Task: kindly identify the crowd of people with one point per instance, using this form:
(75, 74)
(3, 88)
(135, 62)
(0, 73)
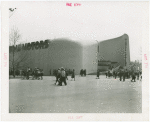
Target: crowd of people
(124, 74)
(54, 71)
(83, 72)
(37, 73)
(62, 74)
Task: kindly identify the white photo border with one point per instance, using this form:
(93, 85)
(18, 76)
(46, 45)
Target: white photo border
(6, 116)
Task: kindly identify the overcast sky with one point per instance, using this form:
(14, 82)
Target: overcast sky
(91, 21)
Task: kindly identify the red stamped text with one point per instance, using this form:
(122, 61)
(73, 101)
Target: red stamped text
(73, 4)
(75, 117)
(145, 61)
(145, 57)
(5, 59)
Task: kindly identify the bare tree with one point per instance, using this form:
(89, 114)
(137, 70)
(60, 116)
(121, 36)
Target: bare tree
(16, 56)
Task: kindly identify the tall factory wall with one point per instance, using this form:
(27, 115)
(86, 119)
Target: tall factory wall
(114, 50)
(64, 53)
(74, 55)
(60, 53)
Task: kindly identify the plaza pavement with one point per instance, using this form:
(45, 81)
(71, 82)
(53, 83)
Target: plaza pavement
(85, 95)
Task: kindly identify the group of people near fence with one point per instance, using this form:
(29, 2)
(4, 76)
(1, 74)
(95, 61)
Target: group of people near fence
(124, 74)
(37, 73)
(62, 76)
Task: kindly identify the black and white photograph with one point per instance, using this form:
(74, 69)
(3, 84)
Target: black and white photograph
(76, 57)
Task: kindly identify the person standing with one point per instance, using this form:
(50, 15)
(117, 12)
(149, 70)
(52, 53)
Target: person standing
(81, 72)
(66, 74)
(124, 75)
(138, 75)
(38, 73)
(33, 74)
(133, 77)
(73, 75)
(42, 72)
(115, 74)
(28, 70)
(141, 76)
(106, 74)
(120, 75)
(97, 74)
(24, 74)
(63, 77)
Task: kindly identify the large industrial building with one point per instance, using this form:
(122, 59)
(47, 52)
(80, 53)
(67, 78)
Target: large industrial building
(115, 52)
(53, 54)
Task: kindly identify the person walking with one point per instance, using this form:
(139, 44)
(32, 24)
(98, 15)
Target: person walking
(106, 74)
(63, 77)
(73, 75)
(58, 75)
